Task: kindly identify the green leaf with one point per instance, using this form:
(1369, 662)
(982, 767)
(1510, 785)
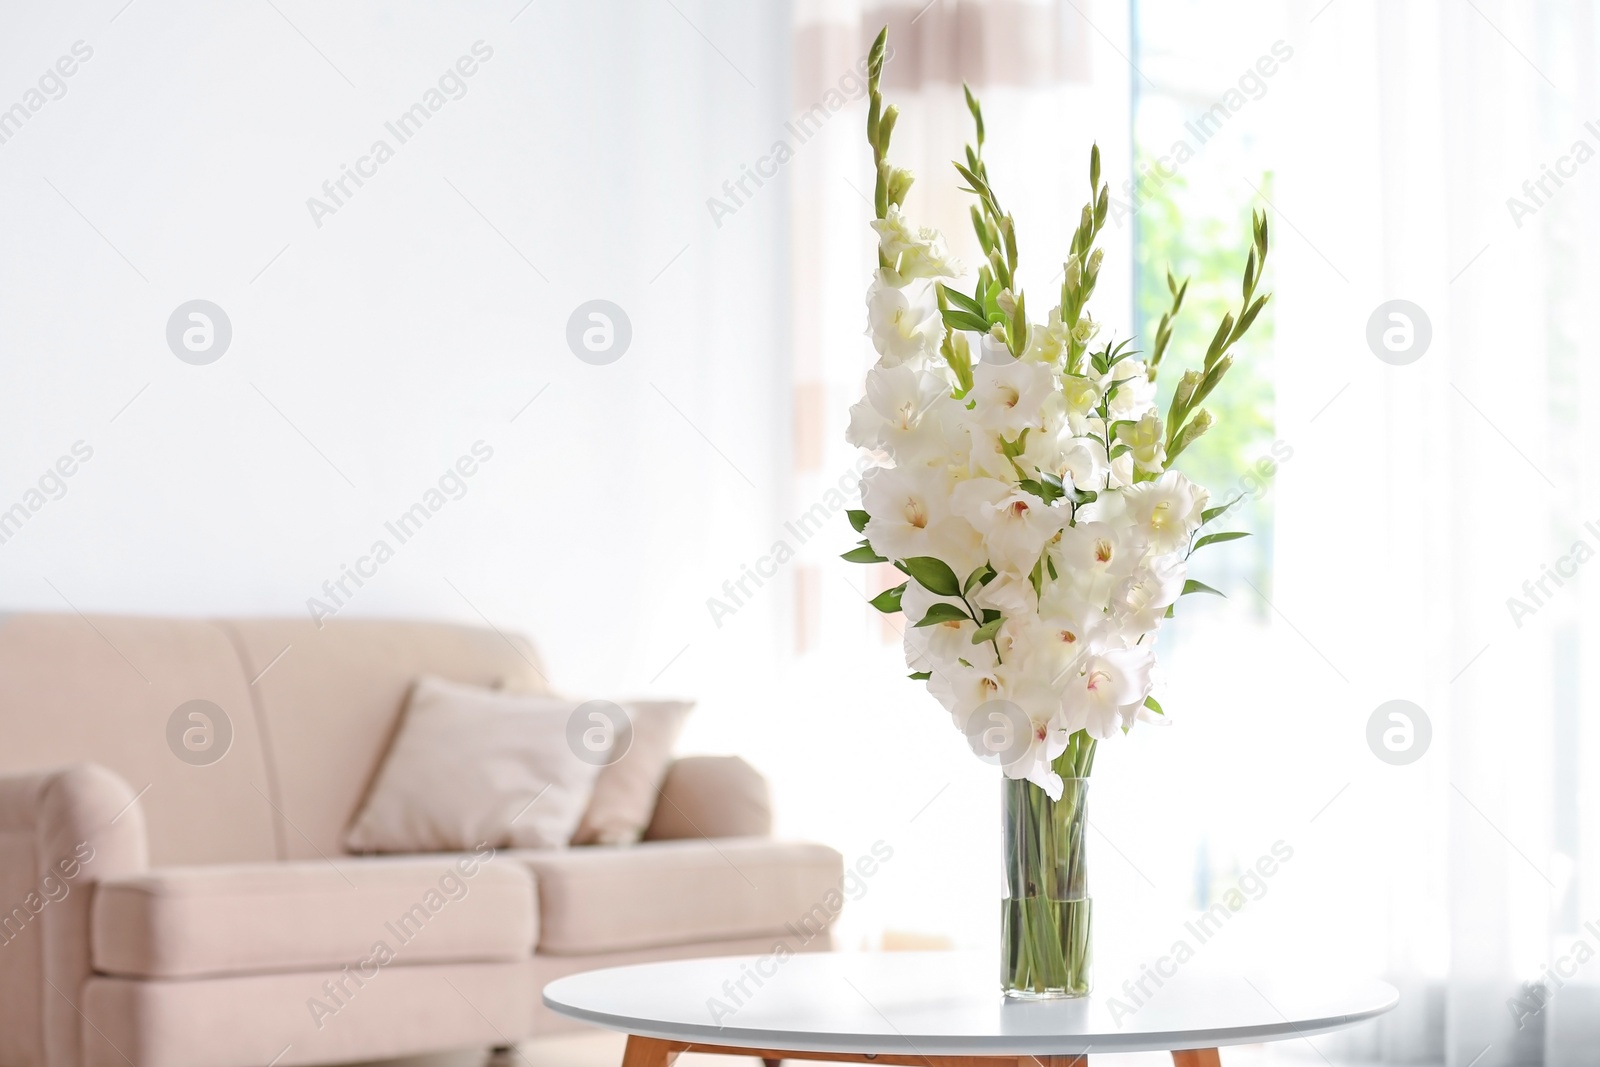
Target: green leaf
(934, 575)
(888, 601)
(962, 320)
(1154, 705)
(862, 553)
(964, 302)
(1218, 538)
(974, 578)
(1210, 513)
(1046, 487)
(858, 519)
(987, 631)
(991, 295)
(920, 676)
(980, 188)
(941, 612)
(1193, 586)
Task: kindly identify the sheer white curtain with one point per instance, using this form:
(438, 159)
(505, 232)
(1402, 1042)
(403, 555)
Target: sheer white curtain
(1423, 496)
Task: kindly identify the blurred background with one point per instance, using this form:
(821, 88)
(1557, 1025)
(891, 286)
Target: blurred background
(1411, 424)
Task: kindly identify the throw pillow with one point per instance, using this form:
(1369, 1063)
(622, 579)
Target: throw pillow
(470, 765)
(626, 790)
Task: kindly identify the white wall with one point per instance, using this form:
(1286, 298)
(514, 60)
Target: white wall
(371, 351)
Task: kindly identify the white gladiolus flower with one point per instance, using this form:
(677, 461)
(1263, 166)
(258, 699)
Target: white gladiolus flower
(1016, 718)
(1122, 471)
(905, 503)
(930, 261)
(902, 413)
(903, 322)
(1012, 396)
(917, 252)
(1166, 511)
(1144, 596)
(896, 233)
(1093, 557)
(1047, 740)
(1135, 392)
(1049, 343)
(1042, 449)
(1104, 692)
(1015, 525)
(963, 689)
(1048, 648)
(1081, 394)
(1009, 594)
(1083, 463)
(1085, 330)
(909, 515)
(986, 456)
(936, 647)
(1147, 439)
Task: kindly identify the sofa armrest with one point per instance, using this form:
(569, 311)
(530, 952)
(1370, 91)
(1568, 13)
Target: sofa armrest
(60, 832)
(711, 796)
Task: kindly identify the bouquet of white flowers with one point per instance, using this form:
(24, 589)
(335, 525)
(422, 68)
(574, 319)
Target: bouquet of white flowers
(1025, 488)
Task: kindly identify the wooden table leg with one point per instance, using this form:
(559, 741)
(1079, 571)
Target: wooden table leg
(1196, 1057)
(648, 1052)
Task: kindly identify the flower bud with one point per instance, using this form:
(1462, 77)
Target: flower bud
(886, 125)
(1186, 387)
(1074, 272)
(1198, 425)
(1007, 302)
(899, 184)
(1095, 259)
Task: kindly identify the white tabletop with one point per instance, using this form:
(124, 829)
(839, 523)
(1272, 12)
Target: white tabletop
(947, 1003)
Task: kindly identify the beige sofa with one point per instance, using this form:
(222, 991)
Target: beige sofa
(162, 913)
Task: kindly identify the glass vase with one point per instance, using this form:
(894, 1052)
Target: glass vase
(1045, 916)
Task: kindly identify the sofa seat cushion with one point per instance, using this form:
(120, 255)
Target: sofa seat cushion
(186, 922)
(614, 899)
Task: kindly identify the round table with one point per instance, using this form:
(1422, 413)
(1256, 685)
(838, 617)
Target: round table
(944, 1009)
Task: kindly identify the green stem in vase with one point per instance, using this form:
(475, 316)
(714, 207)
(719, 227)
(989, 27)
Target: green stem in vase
(1046, 912)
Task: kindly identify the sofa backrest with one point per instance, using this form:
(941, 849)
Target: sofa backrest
(311, 711)
(102, 689)
(330, 705)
